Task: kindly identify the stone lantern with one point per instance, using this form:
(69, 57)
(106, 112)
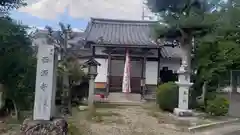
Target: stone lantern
(92, 66)
(184, 84)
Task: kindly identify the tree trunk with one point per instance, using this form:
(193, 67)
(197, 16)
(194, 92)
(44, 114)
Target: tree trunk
(186, 55)
(66, 94)
(15, 109)
(204, 91)
(2, 98)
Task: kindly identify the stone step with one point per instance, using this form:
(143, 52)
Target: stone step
(122, 97)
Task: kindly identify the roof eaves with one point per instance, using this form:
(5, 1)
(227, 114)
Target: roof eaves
(88, 29)
(121, 21)
(129, 45)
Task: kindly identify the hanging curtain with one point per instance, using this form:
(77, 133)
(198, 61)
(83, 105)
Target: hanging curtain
(126, 87)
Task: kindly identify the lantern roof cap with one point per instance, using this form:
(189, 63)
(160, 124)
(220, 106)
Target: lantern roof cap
(92, 62)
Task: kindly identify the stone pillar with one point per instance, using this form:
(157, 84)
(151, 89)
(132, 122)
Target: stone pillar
(44, 83)
(91, 91)
(183, 98)
(43, 122)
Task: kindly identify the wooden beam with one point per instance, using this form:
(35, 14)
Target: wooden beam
(133, 58)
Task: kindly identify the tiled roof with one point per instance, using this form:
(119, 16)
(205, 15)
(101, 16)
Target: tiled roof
(171, 52)
(126, 32)
(120, 32)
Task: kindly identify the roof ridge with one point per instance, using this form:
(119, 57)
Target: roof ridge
(120, 20)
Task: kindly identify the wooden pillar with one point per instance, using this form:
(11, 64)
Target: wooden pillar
(158, 70)
(93, 51)
(143, 76)
(143, 73)
(109, 71)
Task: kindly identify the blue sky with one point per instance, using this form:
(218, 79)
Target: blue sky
(40, 13)
(31, 20)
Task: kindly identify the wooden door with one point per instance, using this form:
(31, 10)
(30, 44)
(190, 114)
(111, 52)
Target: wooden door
(116, 76)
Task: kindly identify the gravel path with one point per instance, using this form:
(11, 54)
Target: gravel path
(136, 121)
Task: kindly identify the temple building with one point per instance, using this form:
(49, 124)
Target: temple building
(151, 63)
(107, 41)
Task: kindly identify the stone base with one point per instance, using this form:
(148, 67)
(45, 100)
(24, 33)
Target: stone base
(182, 112)
(57, 126)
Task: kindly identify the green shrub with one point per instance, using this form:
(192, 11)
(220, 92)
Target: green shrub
(167, 96)
(217, 106)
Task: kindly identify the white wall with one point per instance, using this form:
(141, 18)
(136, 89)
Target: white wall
(171, 64)
(151, 72)
(151, 69)
(102, 70)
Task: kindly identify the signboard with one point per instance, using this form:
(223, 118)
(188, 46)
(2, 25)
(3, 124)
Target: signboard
(44, 89)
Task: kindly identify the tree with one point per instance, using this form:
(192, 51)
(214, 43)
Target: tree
(18, 67)
(180, 6)
(6, 5)
(224, 45)
(68, 66)
(214, 26)
(184, 20)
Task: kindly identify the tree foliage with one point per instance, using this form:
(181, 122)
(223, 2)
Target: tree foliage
(69, 62)
(69, 69)
(224, 44)
(18, 66)
(214, 24)
(6, 5)
(181, 6)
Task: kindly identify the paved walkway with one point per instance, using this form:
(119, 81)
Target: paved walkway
(233, 129)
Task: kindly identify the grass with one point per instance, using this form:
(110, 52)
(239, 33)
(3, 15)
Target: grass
(163, 117)
(98, 113)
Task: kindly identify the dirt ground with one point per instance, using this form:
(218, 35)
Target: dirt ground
(125, 120)
(112, 119)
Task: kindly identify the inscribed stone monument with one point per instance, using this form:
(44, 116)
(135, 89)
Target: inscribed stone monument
(45, 83)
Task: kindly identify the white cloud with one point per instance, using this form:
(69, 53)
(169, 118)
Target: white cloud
(77, 30)
(115, 9)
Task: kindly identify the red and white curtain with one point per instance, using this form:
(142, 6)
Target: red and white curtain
(126, 87)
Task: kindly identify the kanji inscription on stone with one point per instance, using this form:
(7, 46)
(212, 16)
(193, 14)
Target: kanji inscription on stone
(184, 101)
(44, 72)
(45, 84)
(45, 59)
